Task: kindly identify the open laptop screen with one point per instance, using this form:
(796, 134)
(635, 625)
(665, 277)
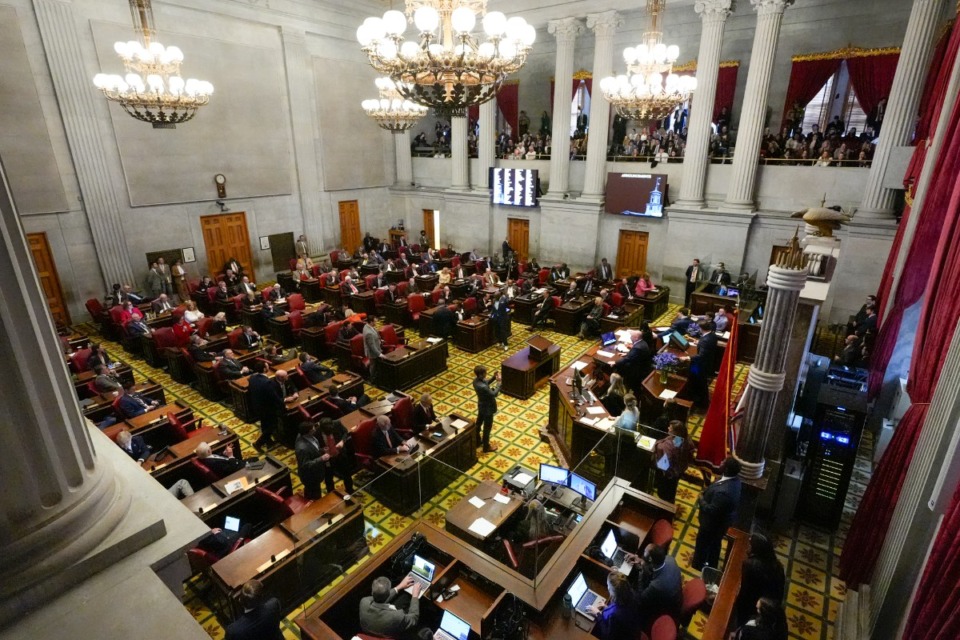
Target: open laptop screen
(453, 625)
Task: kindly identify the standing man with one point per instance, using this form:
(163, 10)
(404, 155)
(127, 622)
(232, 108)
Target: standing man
(694, 276)
(604, 271)
(720, 276)
(487, 392)
(166, 276)
(582, 123)
(311, 460)
(261, 617)
(154, 281)
(704, 364)
(371, 346)
(266, 401)
(500, 317)
(302, 248)
(718, 507)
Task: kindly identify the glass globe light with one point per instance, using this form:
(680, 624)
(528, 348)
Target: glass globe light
(515, 28)
(673, 52)
(486, 49)
(387, 50)
(629, 55)
(638, 80)
(122, 49)
(608, 84)
(427, 19)
(376, 28)
(394, 22)
(508, 49)
(175, 54)
(494, 23)
(529, 35)
(409, 50)
(363, 35)
(660, 52)
(463, 20)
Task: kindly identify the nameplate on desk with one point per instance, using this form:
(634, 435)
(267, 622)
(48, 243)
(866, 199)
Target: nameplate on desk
(275, 559)
(236, 485)
(158, 467)
(213, 442)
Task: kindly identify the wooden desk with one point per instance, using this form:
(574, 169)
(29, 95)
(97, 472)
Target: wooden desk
(395, 312)
(463, 514)
(207, 377)
(363, 302)
(474, 334)
(650, 403)
(459, 288)
(123, 372)
(411, 364)
(331, 296)
(212, 503)
(310, 290)
(525, 308)
(654, 303)
(425, 324)
(176, 465)
(279, 327)
(631, 319)
(152, 421)
(98, 407)
(427, 283)
(396, 276)
(312, 558)
(522, 376)
(569, 315)
(411, 480)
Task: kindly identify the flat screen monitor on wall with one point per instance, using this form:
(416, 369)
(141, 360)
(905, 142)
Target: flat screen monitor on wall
(636, 194)
(513, 187)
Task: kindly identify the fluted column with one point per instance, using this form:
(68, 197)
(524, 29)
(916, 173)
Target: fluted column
(903, 104)
(766, 375)
(565, 31)
(713, 14)
(58, 502)
(750, 129)
(77, 100)
(459, 150)
(401, 144)
(604, 27)
(303, 119)
(486, 141)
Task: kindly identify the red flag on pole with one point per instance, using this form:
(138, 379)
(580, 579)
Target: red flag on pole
(715, 434)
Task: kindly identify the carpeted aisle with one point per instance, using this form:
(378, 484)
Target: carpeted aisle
(809, 556)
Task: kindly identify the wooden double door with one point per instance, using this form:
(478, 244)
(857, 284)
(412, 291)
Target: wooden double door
(225, 236)
(518, 235)
(349, 224)
(632, 253)
(49, 279)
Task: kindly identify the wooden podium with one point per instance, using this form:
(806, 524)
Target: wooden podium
(530, 368)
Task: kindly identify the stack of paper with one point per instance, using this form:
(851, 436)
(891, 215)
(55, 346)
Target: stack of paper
(604, 354)
(596, 410)
(459, 424)
(523, 478)
(667, 394)
(477, 502)
(434, 340)
(605, 423)
(579, 364)
(482, 527)
(502, 498)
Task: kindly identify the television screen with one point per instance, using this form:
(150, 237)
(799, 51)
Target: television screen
(636, 194)
(513, 187)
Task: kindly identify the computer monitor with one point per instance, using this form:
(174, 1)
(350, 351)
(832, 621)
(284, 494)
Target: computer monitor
(733, 293)
(231, 524)
(609, 546)
(608, 339)
(583, 486)
(554, 475)
(423, 568)
(577, 588)
(679, 339)
(453, 625)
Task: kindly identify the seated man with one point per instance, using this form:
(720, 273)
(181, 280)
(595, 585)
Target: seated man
(591, 322)
(660, 591)
(249, 339)
(682, 321)
(386, 441)
(133, 404)
(161, 304)
(378, 616)
(106, 381)
(196, 349)
(135, 447)
(229, 367)
(543, 311)
(222, 465)
(346, 405)
(268, 311)
(273, 355)
(313, 370)
(261, 616)
(423, 413)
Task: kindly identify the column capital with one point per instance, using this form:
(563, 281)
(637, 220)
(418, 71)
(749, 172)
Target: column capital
(770, 7)
(565, 29)
(604, 24)
(713, 9)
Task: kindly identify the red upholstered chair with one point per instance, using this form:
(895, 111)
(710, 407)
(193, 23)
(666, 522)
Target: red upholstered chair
(334, 257)
(401, 417)
(390, 339)
(330, 336)
(443, 252)
(233, 338)
(237, 303)
(116, 315)
(415, 248)
(378, 297)
(664, 628)
(270, 506)
(454, 262)
(203, 326)
(343, 274)
(296, 322)
(363, 442)
(435, 296)
(296, 501)
(177, 313)
(296, 303)
(617, 299)
(661, 534)
(265, 294)
(182, 428)
(330, 410)
(522, 266)
(201, 560)
(470, 305)
(95, 309)
(544, 275)
(116, 410)
(480, 266)
(557, 301)
(211, 295)
(358, 361)
(370, 281)
(694, 594)
(401, 289)
(315, 270)
(293, 264)
(204, 471)
(78, 362)
(606, 309)
(542, 541)
(416, 304)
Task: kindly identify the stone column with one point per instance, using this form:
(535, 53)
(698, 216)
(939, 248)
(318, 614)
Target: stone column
(79, 104)
(604, 27)
(766, 375)
(713, 14)
(565, 30)
(459, 150)
(903, 105)
(750, 129)
(59, 503)
(303, 118)
(486, 142)
(401, 144)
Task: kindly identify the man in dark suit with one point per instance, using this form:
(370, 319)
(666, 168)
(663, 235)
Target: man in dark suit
(720, 275)
(348, 288)
(693, 276)
(704, 364)
(232, 279)
(661, 585)
(487, 392)
(313, 370)
(682, 321)
(269, 311)
(850, 356)
(869, 322)
(196, 351)
(444, 320)
(423, 413)
(249, 339)
(331, 279)
(623, 289)
(261, 617)
(543, 311)
(379, 617)
(346, 405)
(636, 365)
(604, 271)
(386, 440)
(222, 465)
(500, 317)
(223, 291)
(135, 446)
(718, 508)
(161, 304)
(229, 367)
(266, 401)
(586, 286)
(311, 460)
(132, 404)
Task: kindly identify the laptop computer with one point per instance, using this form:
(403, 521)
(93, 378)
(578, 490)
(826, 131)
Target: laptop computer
(422, 573)
(615, 554)
(583, 598)
(452, 628)
(231, 524)
(608, 339)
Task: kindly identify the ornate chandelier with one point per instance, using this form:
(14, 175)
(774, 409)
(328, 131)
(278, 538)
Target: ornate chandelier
(446, 67)
(152, 89)
(651, 91)
(393, 112)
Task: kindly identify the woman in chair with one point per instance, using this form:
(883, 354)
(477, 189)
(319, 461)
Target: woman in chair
(618, 617)
(535, 524)
(612, 400)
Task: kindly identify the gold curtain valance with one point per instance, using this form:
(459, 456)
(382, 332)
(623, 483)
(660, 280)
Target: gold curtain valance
(692, 65)
(582, 74)
(846, 52)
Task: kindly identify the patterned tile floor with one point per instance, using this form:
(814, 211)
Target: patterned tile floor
(810, 556)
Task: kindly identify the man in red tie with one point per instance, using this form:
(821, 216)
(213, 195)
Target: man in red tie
(386, 441)
(348, 288)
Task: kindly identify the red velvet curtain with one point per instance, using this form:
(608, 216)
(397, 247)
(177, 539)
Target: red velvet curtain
(726, 90)
(872, 77)
(936, 607)
(473, 113)
(807, 77)
(507, 100)
(934, 275)
(932, 99)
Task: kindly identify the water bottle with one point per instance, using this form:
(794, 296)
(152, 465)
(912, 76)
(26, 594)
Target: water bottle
(567, 606)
